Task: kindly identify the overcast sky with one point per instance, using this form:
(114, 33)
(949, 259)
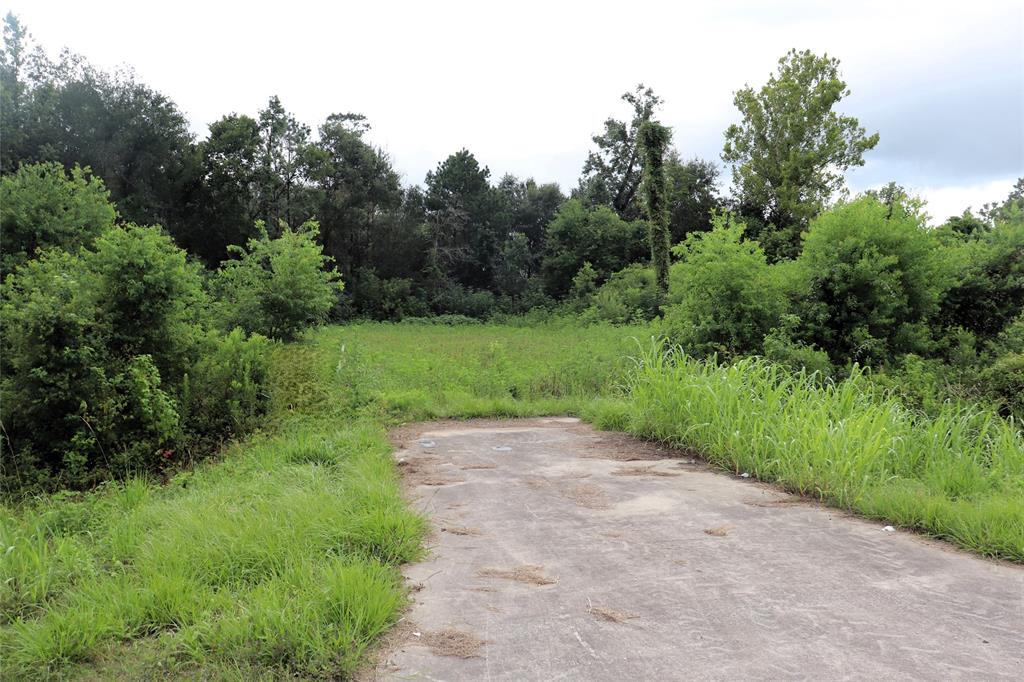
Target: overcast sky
(525, 84)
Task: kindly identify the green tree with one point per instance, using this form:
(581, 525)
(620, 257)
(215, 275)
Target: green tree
(692, 195)
(358, 192)
(463, 220)
(791, 148)
(653, 141)
(723, 296)
(873, 280)
(42, 207)
(277, 287)
(578, 235)
(612, 173)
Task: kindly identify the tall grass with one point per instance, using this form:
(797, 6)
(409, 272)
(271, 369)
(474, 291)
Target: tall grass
(281, 559)
(957, 475)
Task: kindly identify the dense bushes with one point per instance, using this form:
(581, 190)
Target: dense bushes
(115, 359)
(44, 207)
(723, 295)
(870, 280)
(277, 287)
(99, 351)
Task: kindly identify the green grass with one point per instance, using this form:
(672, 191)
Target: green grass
(957, 475)
(281, 558)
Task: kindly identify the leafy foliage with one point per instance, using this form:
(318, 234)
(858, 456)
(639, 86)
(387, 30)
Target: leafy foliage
(872, 280)
(791, 148)
(723, 295)
(45, 207)
(277, 287)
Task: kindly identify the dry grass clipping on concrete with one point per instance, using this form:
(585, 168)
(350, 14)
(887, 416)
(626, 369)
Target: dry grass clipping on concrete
(587, 495)
(720, 531)
(610, 615)
(649, 470)
(452, 642)
(460, 530)
(528, 574)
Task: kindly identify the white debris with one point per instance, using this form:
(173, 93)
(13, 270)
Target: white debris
(744, 475)
(427, 443)
(418, 634)
(889, 529)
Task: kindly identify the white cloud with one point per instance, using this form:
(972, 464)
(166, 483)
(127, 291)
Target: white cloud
(524, 85)
(944, 202)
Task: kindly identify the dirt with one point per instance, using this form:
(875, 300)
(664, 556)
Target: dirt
(719, 531)
(591, 565)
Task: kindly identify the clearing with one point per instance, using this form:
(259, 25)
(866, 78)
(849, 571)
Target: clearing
(560, 552)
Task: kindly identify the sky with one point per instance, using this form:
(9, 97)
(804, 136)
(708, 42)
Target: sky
(525, 85)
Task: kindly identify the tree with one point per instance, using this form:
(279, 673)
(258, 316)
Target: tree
(528, 207)
(280, 165)
(358, 192)
(45, 207)
(791, 148)
(723, 297)
(873, 280)
(463, 220)
(612, 173)
(597, 235)
(653, 141)
(277, 287)
(692, 195)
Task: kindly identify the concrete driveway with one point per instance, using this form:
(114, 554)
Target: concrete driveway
(563, 553)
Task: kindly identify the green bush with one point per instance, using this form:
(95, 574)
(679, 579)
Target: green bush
(723, 295)
(455, 299)
(780, 348)
(871, 280)
(1004, 382)
(630, 295)
(43, 207)
(578, 235)
(225, 392)
(97, 352)
(277, 287)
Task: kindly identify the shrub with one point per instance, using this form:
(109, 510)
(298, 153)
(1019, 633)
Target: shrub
(723, 295)
(45, 207)
(455, 299)
(224, 393)
(872, 279)
(629, 295)
(578, 235)
(278, 287)
(780, 348)
(98, 350)
(1004, 382)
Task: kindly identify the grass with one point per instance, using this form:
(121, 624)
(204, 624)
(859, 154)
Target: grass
(281, 558)
(956, 475)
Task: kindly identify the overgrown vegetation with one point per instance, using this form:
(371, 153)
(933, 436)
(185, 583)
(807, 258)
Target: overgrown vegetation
(163, 303)
(282, 557)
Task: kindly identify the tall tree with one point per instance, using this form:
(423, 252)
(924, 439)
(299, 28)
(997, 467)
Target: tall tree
(653, 141)
(692, 195)
(611, 173)
(463, 220)
(791, 148)
(282, 142)
(358, 190)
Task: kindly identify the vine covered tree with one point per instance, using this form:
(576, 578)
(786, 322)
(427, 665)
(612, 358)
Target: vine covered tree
(791, 148)
(653, 141)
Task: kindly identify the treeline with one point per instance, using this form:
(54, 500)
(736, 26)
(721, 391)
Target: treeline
(135, 345)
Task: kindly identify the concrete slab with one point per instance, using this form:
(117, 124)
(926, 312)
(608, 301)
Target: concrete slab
(562, 553)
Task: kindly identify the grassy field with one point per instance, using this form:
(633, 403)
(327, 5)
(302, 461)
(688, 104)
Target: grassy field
(281, 558)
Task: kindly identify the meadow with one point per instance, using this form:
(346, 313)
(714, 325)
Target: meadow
(281, 556)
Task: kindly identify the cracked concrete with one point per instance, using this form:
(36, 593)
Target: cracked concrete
(574, 571)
